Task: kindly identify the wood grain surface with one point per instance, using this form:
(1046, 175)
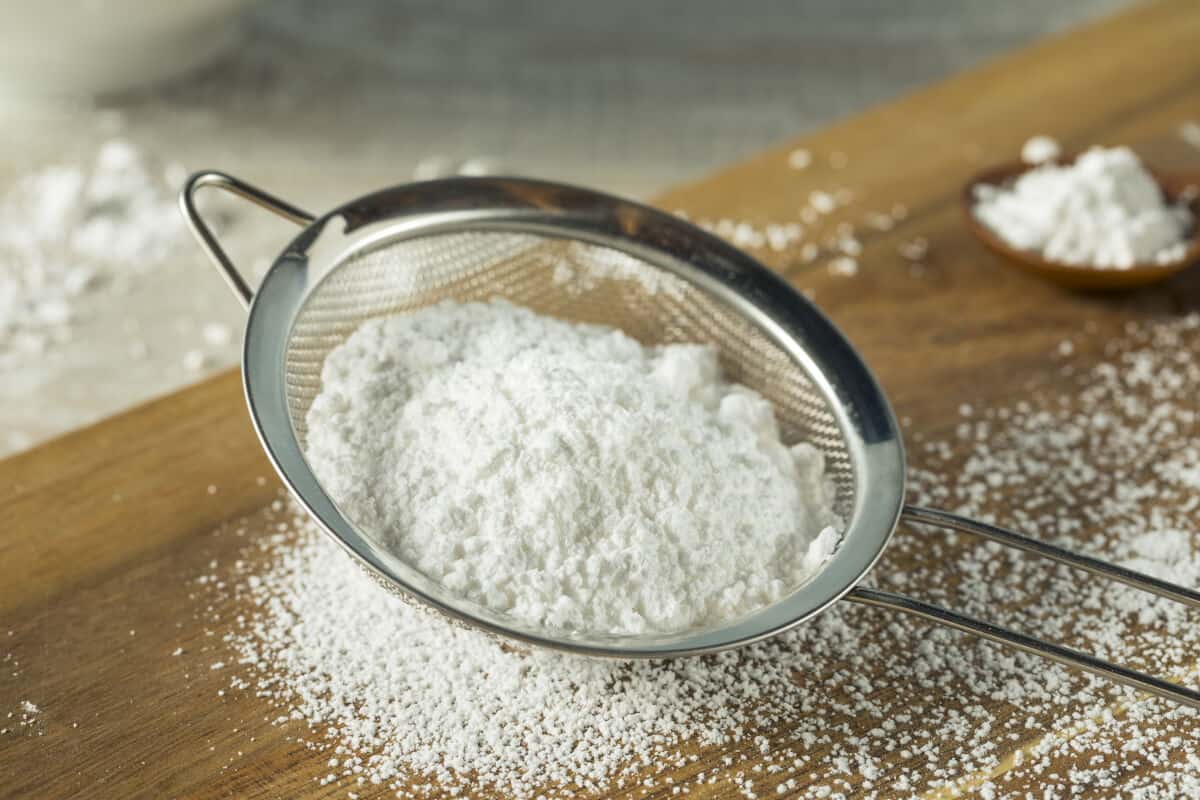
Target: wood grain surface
(105, 529)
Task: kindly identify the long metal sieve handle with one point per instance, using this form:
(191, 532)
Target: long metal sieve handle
(208, 240)
(1140, 580)
(1021, 641)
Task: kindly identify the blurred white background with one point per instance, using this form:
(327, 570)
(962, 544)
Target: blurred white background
(321, 101)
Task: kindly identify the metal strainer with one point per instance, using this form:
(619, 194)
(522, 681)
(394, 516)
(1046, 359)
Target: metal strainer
(585, 256)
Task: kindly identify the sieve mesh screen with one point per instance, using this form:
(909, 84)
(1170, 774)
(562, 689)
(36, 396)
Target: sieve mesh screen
(565, 278)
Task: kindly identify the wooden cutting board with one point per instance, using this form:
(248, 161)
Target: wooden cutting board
(105, 529)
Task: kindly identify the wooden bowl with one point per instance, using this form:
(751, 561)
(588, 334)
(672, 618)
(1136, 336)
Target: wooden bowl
(1082, 277)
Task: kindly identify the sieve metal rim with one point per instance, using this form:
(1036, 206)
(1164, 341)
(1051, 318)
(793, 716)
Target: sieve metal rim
(641, 230)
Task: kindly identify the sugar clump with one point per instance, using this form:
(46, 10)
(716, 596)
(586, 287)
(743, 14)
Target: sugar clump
(1040, 149)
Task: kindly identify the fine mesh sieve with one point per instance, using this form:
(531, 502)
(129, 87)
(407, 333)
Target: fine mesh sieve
(584, 256)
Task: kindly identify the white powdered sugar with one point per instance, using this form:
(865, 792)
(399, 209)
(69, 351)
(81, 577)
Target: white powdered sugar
(67, 228)
(564, 474)
(857, 702)
(1104, 210)
(1040, 149)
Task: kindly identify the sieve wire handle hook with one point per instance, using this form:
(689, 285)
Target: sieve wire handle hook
(208, 240)
(1031, 644)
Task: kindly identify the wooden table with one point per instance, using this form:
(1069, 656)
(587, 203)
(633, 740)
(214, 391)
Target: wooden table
(104, 528)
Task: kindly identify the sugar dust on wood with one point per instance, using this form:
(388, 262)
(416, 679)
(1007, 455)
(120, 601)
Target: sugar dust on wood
(803, 714)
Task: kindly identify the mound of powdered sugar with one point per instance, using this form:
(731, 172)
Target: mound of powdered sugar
(1104, 210)
(564, 474)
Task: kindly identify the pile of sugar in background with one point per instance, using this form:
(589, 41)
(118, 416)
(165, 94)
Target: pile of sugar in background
(859, 700)
(67, 229)
(564, 474)
(1104, 210)
(93, 252)
(98, 276)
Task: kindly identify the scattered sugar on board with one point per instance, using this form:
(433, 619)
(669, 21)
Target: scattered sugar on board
(195, 360)
(840, 249)
(826, 229)
(217, 334)
(1104, 211)
(799, 158)
(564, 474)
(857, 702)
